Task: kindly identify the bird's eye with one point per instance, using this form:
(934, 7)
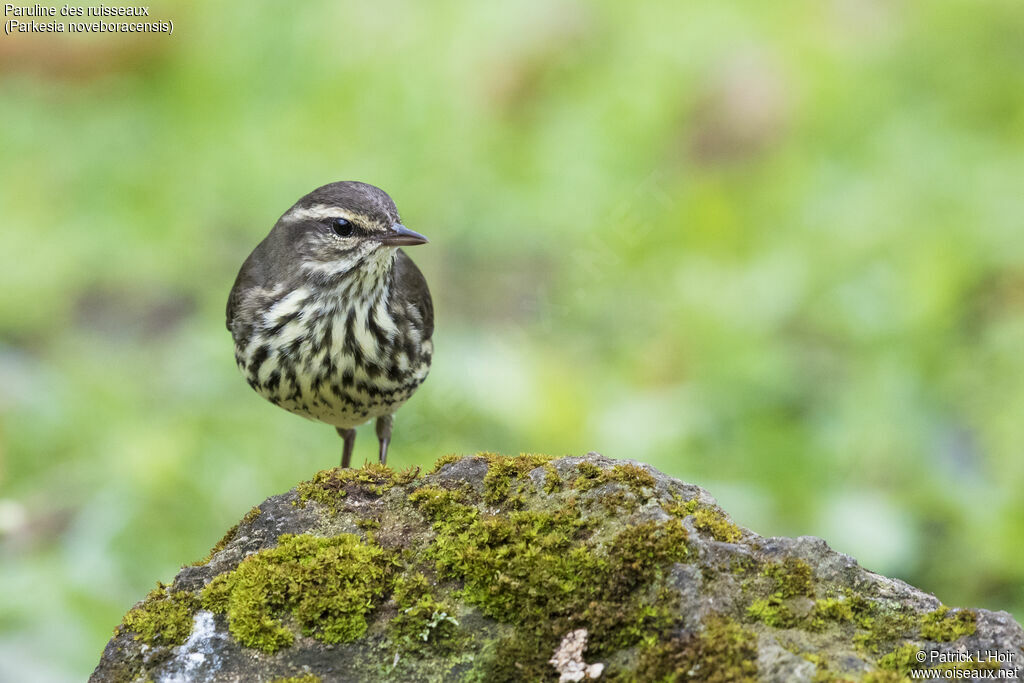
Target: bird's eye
(342, 227)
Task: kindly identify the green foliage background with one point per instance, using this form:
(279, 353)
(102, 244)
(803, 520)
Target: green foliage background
(775, 249)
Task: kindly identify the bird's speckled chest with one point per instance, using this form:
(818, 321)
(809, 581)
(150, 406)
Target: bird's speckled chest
(340, 355)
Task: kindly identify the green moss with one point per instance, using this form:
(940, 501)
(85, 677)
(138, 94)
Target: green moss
(639, 551)
(722, 651)
(847, 608)
(618, 500)
(944, 624)
(884, 628)
(901, 660)
(510, 563)
(773, 611)
(541, 572)
(706, 518)
(444, 460)
(680, 508)
(163, 618)
(636, 478)
(444, 507)
(588, 476)
(792, 577)
(776, 611)
(552, 482)
(713, 522)
(745, 566)
(422, 622)
(502, 471)
(327, 585)
(307, 678)
(328, 487)
(633, 476)
(406, 475)
(832, 610)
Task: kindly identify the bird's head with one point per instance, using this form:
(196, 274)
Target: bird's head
(342, 226)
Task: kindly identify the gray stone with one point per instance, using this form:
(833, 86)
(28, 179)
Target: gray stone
(519, 554)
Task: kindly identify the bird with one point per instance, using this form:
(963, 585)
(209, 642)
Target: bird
(330, 318)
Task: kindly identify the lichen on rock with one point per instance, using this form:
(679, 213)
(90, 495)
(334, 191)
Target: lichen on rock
(494, 568)
(568, 659)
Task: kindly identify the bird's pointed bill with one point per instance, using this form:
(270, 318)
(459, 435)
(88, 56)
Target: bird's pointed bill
(401, 236)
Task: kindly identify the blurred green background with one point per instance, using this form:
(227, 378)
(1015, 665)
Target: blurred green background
(774, 249)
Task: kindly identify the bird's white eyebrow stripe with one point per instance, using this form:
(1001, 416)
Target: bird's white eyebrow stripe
(316, 212)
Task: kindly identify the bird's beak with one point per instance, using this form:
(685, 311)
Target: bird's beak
(401, 236)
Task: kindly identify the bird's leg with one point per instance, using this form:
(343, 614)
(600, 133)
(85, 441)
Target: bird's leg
(349, 435)
(384, 436)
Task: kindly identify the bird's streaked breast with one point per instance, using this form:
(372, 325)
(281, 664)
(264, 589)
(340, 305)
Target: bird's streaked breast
(340, 355)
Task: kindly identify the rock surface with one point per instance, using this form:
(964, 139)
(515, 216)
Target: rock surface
(531, 568)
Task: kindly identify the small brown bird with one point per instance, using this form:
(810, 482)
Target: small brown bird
(331, 320)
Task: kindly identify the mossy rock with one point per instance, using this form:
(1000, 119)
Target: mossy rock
(483, 568)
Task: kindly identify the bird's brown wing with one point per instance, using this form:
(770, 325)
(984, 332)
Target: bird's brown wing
(243, 286)
(252, 281)
(411, 288)
(234, 299)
